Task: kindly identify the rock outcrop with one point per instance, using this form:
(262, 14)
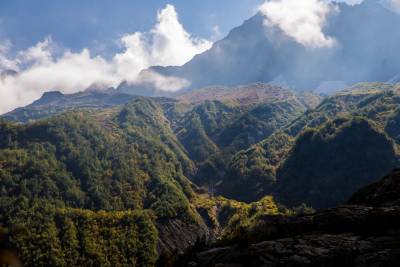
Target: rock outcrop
(365, 232)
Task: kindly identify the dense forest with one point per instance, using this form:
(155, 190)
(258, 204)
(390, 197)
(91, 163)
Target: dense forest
(347, 141)
(130, 182)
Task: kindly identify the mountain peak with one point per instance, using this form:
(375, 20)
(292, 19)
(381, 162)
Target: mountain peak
(367, 42)
(48, 97)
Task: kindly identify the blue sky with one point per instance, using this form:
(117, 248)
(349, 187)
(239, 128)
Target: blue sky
(76, 23)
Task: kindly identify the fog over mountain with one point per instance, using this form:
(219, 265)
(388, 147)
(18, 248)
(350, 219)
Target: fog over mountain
(322, 46)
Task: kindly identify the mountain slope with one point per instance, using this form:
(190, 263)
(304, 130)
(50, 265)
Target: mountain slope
(91, 183)
(259, 168)
(99, 166)
(209, 126)
(325, 166)
(231, 120)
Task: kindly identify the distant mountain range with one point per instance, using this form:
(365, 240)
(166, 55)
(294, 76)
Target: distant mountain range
(367, 38)
(55, 102)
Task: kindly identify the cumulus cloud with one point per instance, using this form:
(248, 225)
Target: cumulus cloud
(301, 20)
(168, 43)
(39, 69)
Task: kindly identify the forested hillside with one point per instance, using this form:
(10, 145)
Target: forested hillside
(103, 188)
(347, 135)
(79, 171)
(211, 124)
(130, 183)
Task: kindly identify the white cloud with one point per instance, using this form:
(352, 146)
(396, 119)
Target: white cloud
(161, 82)
(41, 53)
(167, 43)
(393, 5)
(39, 70)
(6, 63)
(302, 20)
(70, 73)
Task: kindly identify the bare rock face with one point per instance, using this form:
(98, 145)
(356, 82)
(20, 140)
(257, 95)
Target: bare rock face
(366, 232)
(176, 235)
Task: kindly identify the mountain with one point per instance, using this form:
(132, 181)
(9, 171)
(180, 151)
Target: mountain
(52, 103)
(255, 93)
(103, 178)
(327, 165)
(365, 232)
(102, 188)
(110, 184)
(321, 147)
(226, 120)
(109, 167)
(210, 123)
(249, 141)
(367, 39)
(237, 169)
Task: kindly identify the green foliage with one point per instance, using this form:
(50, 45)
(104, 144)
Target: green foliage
(69, 185)
(252, 173)
(378, 103)
(89, 187)
(45, 235)
(327, 165)
(213, 131)
(230, 215)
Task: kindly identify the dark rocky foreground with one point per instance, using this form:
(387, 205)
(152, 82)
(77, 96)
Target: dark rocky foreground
(365, 232)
